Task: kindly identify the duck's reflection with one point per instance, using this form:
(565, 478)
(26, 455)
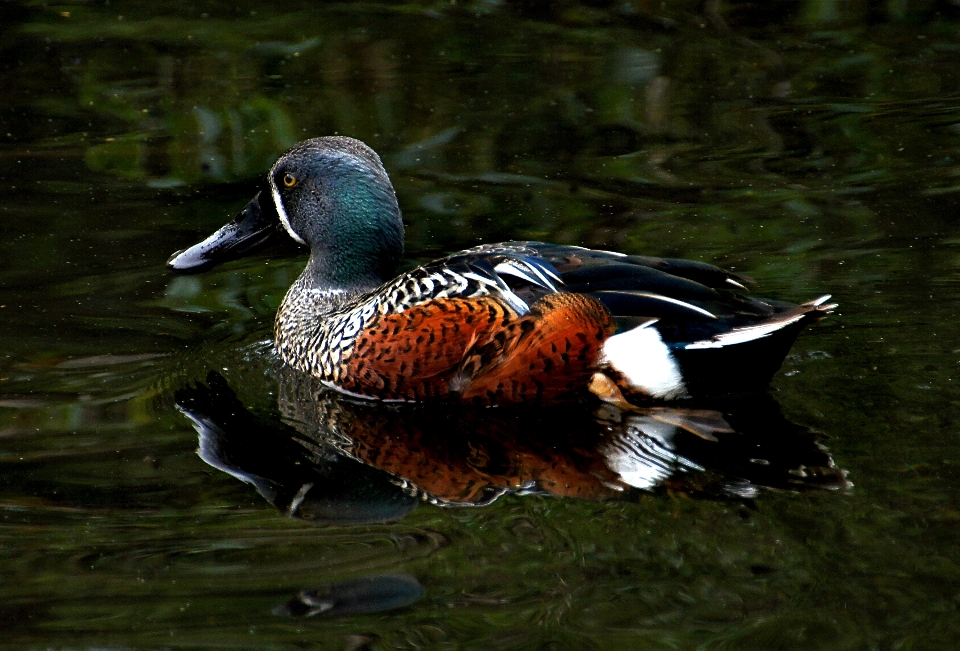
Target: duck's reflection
(344, 461)
(370, 594)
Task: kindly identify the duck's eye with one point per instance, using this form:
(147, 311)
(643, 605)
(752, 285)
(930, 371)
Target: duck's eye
(289, 180)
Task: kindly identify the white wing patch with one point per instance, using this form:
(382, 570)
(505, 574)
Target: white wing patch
(518, 304)
(645, 362)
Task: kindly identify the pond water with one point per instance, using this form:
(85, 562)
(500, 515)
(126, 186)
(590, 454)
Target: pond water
(164, 482)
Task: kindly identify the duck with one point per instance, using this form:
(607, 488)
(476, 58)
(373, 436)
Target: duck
(510, 323)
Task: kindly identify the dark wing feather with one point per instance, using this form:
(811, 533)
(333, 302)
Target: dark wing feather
(637, 303)
(568, 258)
(700, 272)
(626, 276)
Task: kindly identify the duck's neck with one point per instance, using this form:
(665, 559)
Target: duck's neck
(347, 270)
(315, 295)
(304, 320)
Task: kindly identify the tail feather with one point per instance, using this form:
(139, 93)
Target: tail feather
(815, 309)
(739, 359)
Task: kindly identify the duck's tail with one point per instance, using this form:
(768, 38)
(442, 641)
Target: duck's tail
(740, 359)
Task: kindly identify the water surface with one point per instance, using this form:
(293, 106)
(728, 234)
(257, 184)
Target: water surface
(812, 145)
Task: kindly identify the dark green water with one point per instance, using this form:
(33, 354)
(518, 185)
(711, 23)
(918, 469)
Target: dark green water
(813, 145)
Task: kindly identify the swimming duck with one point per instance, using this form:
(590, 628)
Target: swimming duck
(507, 323)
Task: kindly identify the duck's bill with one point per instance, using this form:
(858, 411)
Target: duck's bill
(251, 230)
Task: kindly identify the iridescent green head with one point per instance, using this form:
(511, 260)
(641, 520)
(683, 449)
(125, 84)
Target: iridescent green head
(334, 195)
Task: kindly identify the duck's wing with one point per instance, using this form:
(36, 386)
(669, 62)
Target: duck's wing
(571, 261)
(692, 305)
(695, 303)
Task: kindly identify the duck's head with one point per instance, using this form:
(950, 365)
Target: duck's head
(331, 194)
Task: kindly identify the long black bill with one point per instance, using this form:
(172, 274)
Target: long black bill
(251, 230)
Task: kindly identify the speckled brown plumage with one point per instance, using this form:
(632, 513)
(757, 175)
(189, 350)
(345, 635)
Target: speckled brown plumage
(546, 356)
(479, 350)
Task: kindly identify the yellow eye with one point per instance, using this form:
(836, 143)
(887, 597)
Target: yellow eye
(289, 180)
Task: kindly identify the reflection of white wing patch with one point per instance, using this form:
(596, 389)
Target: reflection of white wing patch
(644, 455)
